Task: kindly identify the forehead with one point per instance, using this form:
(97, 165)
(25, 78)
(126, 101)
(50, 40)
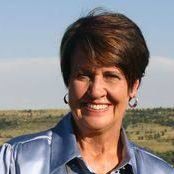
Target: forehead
(80, 61)
(90, 58)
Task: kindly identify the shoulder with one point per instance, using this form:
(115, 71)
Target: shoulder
(25, 148)
(34, 138)
(37, 147)
(148, 161)
(26, 142)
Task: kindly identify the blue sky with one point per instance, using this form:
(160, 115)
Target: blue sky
(30, 34)
(31, 28)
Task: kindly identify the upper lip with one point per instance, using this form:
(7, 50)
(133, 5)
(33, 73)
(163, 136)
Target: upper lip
(95, 103)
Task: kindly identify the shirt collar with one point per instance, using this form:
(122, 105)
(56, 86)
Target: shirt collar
(126, 149)
(64, 146)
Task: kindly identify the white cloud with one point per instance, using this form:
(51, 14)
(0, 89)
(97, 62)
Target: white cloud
(157, 88)
(37, 83)
(31, 83)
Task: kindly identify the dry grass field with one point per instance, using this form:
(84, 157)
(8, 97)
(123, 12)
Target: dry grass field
(18, 122)
(152, 136)
(150, 128)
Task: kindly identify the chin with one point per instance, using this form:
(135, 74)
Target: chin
(94, 124)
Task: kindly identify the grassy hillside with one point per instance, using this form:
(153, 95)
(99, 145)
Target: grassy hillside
(150, 128)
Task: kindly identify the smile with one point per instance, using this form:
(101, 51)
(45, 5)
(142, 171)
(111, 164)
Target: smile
(97, 106)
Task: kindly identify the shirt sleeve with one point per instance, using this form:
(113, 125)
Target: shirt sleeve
(6, 160)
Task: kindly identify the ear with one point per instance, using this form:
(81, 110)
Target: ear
(133, 91)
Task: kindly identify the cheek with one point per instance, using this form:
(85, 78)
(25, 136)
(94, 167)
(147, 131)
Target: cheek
(76, 91)
(119, 95)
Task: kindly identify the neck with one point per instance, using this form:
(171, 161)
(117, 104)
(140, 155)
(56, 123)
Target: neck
(99, 143)
(102, 152)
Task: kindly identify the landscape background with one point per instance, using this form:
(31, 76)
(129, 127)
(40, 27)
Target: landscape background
(150, 128)
(30, 76)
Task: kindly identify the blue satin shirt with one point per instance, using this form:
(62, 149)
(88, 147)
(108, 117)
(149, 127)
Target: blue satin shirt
(55, 152)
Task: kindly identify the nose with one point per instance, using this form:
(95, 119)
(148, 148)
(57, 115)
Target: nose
(97, 88)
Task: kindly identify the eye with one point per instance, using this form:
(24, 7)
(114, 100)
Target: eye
(112, 76)
(83, 76)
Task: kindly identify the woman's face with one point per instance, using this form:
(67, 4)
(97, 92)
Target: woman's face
(98, 96)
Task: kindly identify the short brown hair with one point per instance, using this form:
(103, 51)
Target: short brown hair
(108, 39)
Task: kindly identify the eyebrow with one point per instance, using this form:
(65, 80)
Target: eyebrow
(110, 71)
(117, 70)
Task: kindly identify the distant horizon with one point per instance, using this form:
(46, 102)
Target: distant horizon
(36, 109)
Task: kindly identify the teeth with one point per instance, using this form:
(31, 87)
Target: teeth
(97, 106)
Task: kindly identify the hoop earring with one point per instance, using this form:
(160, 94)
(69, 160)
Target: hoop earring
(133, 102)
(65, 98)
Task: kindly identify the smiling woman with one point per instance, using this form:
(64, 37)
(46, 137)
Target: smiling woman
(103, 58)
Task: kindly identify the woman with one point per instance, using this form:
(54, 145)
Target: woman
(103, 58)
